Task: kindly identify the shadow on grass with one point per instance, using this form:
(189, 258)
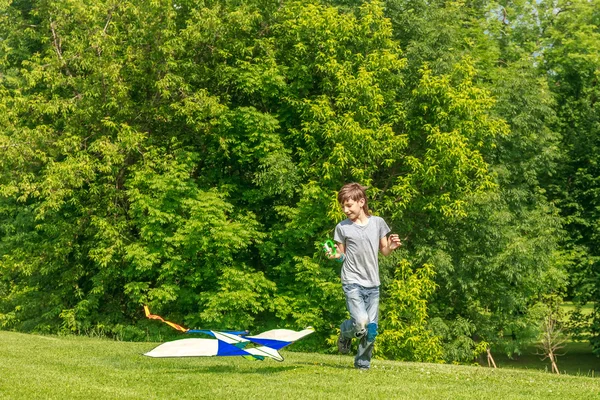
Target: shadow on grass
(227, 369)
(347, 363)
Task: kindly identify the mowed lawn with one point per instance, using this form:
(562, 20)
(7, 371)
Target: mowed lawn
(49, 367)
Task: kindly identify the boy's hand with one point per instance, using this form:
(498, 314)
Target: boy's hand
(389, 244)
(338, 256)
(394, 242)
(330, 249)
(334, 251)
(334, 255)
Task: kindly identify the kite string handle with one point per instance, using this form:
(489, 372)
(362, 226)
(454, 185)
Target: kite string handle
(329, 247)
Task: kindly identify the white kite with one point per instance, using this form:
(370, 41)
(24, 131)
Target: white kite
(236, 343)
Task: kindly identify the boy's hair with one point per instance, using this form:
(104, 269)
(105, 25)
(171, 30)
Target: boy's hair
(354, 191)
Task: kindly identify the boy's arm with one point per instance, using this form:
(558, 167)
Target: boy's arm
(387, 245)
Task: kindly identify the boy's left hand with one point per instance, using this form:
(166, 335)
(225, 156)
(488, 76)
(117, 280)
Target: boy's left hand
(394, 242)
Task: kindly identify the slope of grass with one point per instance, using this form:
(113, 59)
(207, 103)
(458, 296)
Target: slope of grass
(568, 306)
(575, 358)
(46, 367)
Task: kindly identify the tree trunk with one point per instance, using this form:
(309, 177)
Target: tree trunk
(490, 359)
(553, 360)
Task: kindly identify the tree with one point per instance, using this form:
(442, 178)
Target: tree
(572, 44)
(489, 258)
(102, 207)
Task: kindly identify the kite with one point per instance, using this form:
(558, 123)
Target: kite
(227, 343)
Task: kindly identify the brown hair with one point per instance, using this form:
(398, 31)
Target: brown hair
(353, 191)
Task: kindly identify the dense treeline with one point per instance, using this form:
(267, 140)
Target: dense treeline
(186, 155)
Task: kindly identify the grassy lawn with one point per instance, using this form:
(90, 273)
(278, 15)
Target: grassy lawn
(569, 306)
(47, 367)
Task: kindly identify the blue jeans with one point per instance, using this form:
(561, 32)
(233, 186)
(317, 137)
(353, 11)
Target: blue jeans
(363, 306)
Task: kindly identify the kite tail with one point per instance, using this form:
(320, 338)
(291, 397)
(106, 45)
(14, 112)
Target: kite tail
(171, 324)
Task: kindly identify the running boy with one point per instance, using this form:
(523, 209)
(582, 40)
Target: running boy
(359, 238)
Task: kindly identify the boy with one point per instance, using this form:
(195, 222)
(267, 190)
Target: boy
(359, 238)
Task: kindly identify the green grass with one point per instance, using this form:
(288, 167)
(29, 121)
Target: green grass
(569, 306)
(47, 367)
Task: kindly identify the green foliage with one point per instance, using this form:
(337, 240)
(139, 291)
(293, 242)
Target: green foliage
(449, 123)
(578, 324)
(103, 209)
(572, 41)
(457, 339)
(494, 289)
(404, 331)
(500, 237)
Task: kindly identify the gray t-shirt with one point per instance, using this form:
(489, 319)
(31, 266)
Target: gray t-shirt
(362, 250)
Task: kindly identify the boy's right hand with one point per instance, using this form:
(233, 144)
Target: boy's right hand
(330, 248)
(333, 256)
(333, 250)
(338, 256)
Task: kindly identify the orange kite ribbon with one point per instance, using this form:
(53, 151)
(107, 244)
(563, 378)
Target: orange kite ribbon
(171, 324)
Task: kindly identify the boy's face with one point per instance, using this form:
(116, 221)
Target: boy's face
(353, 209)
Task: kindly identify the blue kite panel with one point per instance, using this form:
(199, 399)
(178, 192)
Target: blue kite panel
(226, 349)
